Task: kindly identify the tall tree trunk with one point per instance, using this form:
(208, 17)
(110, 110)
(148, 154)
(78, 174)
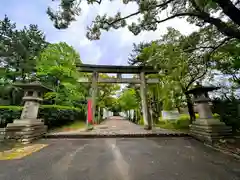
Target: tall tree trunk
(178, 108)
(134, 116)
(224, 28)
(190, 108)
(23, 75)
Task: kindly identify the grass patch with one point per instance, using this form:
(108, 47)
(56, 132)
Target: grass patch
(172, 126)
(71, 127)
(181, 124)
(20, 152)
(8, 145)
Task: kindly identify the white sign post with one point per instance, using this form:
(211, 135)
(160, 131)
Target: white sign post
(170, 115)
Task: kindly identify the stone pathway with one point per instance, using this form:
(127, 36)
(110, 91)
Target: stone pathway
(116, 127)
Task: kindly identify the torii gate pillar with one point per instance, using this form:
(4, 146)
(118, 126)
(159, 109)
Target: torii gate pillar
(94, 94)
(143, 89)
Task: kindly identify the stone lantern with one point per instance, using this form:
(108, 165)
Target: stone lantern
(28, 127)
(206, 127)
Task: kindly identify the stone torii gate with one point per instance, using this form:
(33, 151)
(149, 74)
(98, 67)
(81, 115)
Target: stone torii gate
(119, 70)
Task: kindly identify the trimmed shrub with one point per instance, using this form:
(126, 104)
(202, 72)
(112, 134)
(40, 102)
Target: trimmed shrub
(8, 114)
(53, 115)
(217, 116)
(229, 111)
(196, 115)
(182, 123)
(56, 116)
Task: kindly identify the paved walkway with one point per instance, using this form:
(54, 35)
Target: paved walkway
(116, 126)
(123, 159)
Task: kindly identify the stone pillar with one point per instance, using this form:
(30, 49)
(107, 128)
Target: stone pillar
(143, 89)
(104, 113)
(94, 94)
(203, 107)
(31, 105)
(2, 134)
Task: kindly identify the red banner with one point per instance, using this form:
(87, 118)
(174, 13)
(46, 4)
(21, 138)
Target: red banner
(89, 115)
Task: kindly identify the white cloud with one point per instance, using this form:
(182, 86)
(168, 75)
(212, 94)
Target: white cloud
(120, 61)
(95, 57)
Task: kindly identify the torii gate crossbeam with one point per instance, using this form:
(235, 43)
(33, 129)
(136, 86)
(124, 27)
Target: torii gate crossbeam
(119, 70)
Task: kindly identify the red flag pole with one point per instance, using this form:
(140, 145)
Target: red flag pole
(89, 114)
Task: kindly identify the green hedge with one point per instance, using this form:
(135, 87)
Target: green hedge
(182, 123)
(8, 114)
(53, 115)
(229, 111)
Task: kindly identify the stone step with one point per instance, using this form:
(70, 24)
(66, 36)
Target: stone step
(108, 135)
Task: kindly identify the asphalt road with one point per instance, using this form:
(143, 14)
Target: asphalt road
(123, 159)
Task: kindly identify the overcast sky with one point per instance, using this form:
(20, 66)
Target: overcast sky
(113, 47)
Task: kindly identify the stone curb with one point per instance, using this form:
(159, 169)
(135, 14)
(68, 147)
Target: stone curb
(59, 136)
(223, 151)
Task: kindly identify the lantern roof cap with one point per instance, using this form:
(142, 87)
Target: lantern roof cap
(36, 85)
(202, 89)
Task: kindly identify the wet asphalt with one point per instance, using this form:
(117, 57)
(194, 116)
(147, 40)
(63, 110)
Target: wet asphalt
(123, 159)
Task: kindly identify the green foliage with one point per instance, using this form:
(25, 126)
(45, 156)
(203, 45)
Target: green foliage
(106, 92)
(128, 99)
(58, 61)
(227, 59)
(53, 115)
(182, 123)
(57, 68)
(181, 69)
(134, 58)
(26, 56)
(141, 122)
(112, 104)
(228, 111)
(167, 104)
(8, 114)
(178, 68)
(184, 60)
(14, 108)
(62, 17)
(72, 126)
(149, 13)
(215, 45)
(19, 49)
(216, 116)
(186, 117)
